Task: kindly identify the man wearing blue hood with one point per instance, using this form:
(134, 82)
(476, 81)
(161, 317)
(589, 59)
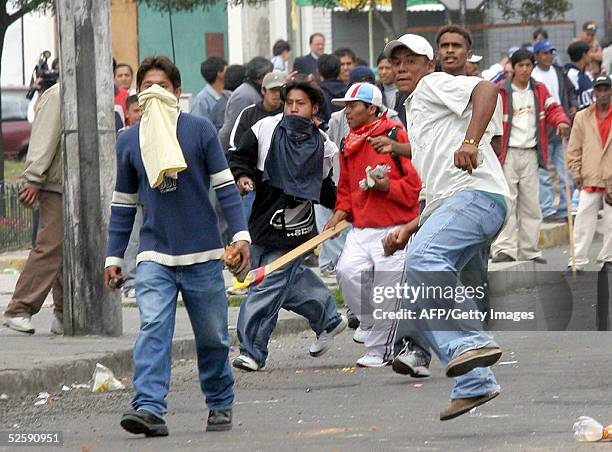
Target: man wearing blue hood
(288, 161)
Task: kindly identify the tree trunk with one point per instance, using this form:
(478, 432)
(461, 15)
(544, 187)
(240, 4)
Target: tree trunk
(399, 17)
(89, 164)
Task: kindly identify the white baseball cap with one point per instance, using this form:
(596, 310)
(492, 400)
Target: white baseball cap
(418, 44)
(474, 59)
(364, 92)
(274, 79)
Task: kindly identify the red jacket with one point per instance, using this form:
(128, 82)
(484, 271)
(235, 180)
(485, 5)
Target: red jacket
(372, 208)
(548, 111)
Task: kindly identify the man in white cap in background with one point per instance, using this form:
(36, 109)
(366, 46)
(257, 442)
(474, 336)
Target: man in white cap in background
(466, 197)
(472, 65)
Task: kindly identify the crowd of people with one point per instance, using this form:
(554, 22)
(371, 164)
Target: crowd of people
(436, 164)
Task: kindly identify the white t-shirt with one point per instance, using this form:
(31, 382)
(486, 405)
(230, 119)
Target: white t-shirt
(390, 94)
(523, 129)
(550, 79)
(438, 114)
(496, 125)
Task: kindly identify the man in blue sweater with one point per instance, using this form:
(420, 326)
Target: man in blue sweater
(180, 246)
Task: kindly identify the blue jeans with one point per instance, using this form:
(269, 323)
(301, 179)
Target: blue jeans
(456, 236)
(555, 156)
(330, 249)
(203, 291)
(247, 204)
(294, 287)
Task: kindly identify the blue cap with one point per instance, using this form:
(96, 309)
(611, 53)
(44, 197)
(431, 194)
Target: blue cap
(543, 45)
(361, 74)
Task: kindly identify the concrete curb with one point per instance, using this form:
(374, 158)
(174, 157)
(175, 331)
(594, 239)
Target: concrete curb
(17, 383)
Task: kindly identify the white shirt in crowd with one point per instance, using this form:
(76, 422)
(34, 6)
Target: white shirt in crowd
(523, 129)
(439, 112)
(550, 79)
(390, 94)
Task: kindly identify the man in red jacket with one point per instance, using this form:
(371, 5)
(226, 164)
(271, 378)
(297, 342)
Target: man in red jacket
(528, 108)
(375, 205)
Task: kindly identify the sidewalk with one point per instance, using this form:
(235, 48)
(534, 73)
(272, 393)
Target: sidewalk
(45, 362)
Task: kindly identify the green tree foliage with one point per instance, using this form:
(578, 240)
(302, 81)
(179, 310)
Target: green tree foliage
(533, 10)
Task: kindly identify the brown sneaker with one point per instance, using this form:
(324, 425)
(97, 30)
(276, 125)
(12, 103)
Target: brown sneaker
(457, 407)
(469, 360)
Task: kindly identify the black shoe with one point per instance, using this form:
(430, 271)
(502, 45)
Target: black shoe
(138, 422)
(219, 420)
(539, 260)
(353, 321)
(502, 257)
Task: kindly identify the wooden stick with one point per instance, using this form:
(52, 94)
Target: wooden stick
(568, 202)
(257, 275)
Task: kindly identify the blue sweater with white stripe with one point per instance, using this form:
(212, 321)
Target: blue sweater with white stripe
(180, 226)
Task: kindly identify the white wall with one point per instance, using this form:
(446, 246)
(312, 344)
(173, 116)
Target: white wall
(39, 35)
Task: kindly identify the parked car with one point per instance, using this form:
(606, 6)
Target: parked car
(15, 125)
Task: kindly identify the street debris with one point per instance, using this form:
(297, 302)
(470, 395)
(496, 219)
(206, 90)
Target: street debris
(418, 385)
(587, 429)
(104, 380)
(3, 396)
(42, 399)
(66, 388)
(506, 363)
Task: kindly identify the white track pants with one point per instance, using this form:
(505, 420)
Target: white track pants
(363, 267)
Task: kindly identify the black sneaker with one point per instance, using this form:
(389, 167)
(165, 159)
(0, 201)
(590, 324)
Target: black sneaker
(138, 422)
(219, 420)
(353, 321)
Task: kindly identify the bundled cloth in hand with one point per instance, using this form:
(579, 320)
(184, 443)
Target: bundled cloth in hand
(295, 160)
(161, 152)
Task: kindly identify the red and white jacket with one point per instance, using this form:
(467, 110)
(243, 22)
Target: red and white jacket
(373, 208)
(547, 111)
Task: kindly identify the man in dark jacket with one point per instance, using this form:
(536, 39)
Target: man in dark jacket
(307, 64)
(562, 90)
(328, 67)
(248, 93)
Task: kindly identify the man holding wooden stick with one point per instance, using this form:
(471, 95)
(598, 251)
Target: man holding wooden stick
(288, 161)
(169, 162)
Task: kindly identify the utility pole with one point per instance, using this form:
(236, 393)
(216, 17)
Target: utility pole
(399, 18)
(462, 12)
(89, 164)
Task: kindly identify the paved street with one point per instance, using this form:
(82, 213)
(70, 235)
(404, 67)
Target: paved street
(326, 404)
